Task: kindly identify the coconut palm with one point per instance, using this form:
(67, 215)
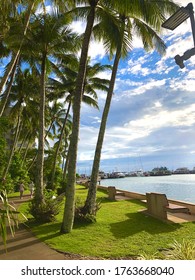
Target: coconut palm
(48, 36)
(142, 22)
(15, 141)
(20, 103)
(66, 83)
(15, 18)
(91, 11)
(16, 48)
(59, 142)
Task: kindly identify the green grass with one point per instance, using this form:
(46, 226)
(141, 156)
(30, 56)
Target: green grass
(121, 231)
(17, 194)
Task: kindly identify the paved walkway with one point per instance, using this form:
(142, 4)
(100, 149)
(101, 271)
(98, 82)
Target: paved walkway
(25, 246)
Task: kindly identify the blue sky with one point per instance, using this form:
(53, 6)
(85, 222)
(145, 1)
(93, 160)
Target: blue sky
(152, 117)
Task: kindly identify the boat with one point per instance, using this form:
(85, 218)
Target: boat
(138, 173)
(103, 175)
(116, 175)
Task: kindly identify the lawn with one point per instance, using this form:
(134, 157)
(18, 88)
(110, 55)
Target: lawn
(121, 231)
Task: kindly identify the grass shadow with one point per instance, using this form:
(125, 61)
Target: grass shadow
(137, 222)
(45, 231)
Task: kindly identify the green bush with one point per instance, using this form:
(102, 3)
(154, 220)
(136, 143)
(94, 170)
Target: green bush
(18, 172)
(62, 188)
(47, 210)
(8, 217)
(184, 250)
(81, 215)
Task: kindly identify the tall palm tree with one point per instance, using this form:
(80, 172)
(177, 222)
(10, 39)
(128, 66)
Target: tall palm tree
(31, 6)
(55, 114)
(66, 84)
(132, 20)
(15, 19)
(15, 141)
(49, 35)
(19, 104)
(93, 10)
(58, 144)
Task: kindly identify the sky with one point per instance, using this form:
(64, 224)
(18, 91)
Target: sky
(152, 117)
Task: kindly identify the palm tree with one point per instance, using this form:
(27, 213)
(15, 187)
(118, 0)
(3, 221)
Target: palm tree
(65, 86)
(56, 113)
(129, 20)
(49, 35)
(92, 10)
(15, 19)
(19, 104)
(16, 48)
(58, 144)
(17, 129)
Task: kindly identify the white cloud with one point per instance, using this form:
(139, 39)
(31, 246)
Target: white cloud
(185, 84)
(147, 86)
(95, 119)
(78, 26)
(162, 118)
(118, 139)
(96, 50)
(138, 69)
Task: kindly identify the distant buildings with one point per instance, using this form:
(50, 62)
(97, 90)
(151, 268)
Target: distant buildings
(157, 171)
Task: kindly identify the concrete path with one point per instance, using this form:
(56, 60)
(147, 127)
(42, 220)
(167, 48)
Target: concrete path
(25, 246)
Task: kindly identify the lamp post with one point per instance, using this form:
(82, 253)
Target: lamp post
(174, 21)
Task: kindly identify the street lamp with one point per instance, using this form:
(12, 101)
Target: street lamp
(174, 21)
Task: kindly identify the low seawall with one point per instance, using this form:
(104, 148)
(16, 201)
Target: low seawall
(133, 195)
(142, 197)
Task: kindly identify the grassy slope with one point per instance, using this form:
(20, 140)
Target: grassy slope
(120, 231)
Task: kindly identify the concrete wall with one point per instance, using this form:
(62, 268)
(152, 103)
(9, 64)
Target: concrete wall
(127, 193)
(140, 196)
(190, 206)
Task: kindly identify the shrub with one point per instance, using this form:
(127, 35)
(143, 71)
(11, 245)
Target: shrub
(62, 188)
(46, 211)
(8, 217)
(81, 215)
(182, 251)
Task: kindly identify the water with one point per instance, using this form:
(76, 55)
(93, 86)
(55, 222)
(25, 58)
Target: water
(177, 187)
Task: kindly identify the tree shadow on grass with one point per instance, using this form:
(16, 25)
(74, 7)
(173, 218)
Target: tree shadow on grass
(48, 231)
(137, 222)
(52, 230)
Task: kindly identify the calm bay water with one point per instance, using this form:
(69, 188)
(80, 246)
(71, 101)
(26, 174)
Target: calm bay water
(178, 187)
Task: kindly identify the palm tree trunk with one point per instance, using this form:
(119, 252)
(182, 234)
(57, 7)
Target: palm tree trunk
(41, 142)
(32, 162)
(26, 150)
(35, 156)
(58, 146)
(90, 203)
(16, 55)
(8, 89)
(69, 209)
(23, 142)
(15, 141)
(9, 70)
(66, 164)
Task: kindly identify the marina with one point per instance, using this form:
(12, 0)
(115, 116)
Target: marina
(177, 187)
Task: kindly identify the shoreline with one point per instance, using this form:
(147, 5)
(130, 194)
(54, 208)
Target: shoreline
(142, 197)
(176, 187)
